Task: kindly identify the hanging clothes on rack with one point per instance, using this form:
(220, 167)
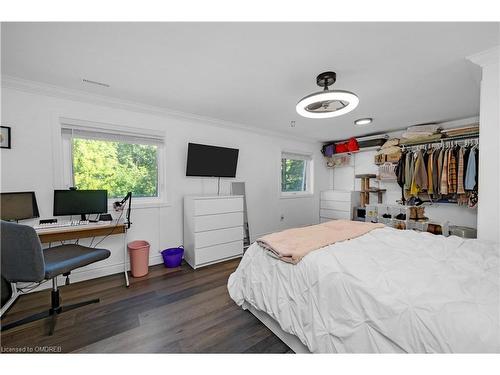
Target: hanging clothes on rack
(400, 174)
(419, 180)
(430, 166)
(408, 172)
(440, 170)
(452, 171)
(444, 171)
(435, 172)
(460, 173)
(470, 178)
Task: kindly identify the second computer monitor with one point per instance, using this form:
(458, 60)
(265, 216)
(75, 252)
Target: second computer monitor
(80, 202)
(18, 206)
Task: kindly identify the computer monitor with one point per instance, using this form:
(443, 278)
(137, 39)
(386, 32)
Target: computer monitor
(18, 206)
(80, 202)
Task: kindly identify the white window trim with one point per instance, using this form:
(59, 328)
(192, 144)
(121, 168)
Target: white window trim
(62, 157)
(309, 192)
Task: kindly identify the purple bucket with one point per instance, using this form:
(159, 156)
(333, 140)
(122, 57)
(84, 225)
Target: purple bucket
(172, 257)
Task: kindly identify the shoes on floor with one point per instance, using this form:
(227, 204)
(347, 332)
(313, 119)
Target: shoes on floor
(401, 216)
(420, 214)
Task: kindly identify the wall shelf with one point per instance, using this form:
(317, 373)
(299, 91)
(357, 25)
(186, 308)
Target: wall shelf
(446, 139)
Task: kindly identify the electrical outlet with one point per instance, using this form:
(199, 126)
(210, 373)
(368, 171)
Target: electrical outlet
(282, 217)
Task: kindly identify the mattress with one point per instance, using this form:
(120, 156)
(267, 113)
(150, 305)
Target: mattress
(388, 291)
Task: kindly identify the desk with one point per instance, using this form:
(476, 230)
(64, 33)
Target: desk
(48, 235)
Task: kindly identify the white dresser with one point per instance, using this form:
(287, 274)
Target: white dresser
(213, 229)
(337, 204)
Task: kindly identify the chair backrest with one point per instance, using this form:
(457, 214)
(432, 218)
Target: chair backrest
(21, 253)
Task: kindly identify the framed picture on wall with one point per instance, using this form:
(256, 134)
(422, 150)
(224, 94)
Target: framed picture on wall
(4, 137)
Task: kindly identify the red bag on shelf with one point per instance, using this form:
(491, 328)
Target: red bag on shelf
(352, 145)
(341, 147)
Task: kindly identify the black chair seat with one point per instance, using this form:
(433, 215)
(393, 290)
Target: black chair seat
(23, 259)
(65, 258)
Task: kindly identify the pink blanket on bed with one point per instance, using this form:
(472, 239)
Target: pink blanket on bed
(292, 245)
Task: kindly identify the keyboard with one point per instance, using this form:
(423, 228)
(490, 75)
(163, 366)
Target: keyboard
(64, 224)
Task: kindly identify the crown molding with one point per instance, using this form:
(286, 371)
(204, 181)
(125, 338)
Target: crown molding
(484, 58)
(42, 88)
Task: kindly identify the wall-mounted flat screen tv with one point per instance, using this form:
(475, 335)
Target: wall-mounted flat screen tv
(211, 161)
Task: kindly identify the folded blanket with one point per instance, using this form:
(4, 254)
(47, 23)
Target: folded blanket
(432, 128)
(426, 138)
(292, 245)
(389, 150)
(411, 135)
(391, 143)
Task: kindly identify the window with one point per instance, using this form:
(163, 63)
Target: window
(296, 175)
(117, 167)
(117, 161)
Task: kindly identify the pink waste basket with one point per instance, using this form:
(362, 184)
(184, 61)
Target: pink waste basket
(139, 257)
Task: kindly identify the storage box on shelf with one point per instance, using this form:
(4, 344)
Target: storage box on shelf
(380, 159)
(438, 227)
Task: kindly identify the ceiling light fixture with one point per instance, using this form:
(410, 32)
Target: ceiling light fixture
(363, 121)
(326, 103)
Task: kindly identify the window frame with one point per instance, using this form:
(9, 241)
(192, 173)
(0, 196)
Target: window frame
(66, 177)
(309, 174)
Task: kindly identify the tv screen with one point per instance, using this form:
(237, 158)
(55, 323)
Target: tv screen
(211, 161)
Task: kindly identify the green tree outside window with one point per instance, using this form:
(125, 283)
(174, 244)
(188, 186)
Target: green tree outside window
(117, 167)
(293, 175)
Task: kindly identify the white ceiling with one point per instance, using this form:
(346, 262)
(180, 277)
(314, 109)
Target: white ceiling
(254, 73)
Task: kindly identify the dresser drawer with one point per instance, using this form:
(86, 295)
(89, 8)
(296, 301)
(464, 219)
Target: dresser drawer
(336, 205)
(219, 252)
(219, 236)
(336, 195)
(220, 221)
(335, 214)
(217, 206)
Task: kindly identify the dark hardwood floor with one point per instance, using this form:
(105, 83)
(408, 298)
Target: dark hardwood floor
(169, 311)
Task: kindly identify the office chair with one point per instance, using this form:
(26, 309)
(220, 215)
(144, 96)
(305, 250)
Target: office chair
(24, 260)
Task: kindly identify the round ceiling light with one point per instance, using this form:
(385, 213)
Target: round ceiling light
(363, 121)
(327, 103)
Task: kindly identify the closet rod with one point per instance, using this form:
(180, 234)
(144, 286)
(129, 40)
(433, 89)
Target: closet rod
(442, 140)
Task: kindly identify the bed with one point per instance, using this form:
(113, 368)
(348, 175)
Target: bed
(388, 291)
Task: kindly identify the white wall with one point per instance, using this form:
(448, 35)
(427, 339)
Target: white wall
(363, 162)
(29, 166)
(489, 154)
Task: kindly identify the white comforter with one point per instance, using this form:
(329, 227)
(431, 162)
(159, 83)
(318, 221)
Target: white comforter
(387, 291)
